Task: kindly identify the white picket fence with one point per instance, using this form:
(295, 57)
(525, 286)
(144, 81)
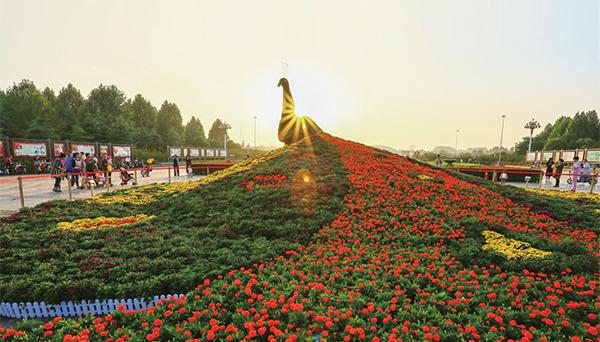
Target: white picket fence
(70, 308)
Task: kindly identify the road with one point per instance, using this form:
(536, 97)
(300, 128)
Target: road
(38, 190)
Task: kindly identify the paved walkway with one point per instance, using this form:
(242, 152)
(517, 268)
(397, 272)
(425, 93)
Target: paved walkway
(38, 190)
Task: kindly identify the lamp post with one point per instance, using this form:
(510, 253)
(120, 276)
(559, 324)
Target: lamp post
(531, 126)
(501, 137)
(225, 126)
(254, 132)
(456, 142)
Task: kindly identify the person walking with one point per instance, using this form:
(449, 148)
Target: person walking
(57, 169)
(549, 165)
(575, 171)
(558, 171)
(175, 165)
(70, 167)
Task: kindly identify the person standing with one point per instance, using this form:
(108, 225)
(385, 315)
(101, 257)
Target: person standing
(549, 165)
(438, 161)
(70, 166)
(37, 165)
(175, 165)
(57, 169)
(575, 171)
(188, 163)
(586, 170)
(558, 171)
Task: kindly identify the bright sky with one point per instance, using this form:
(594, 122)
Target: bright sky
(397, 73)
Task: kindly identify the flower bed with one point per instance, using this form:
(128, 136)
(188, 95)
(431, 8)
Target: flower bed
(195, 232)
(567, 195)
(510, 248)
(102, 222)
(387, 268)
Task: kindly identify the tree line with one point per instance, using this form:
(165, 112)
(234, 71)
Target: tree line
(105, 115)
(567, 133)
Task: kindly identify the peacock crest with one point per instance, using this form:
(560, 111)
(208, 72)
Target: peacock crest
(293, 128)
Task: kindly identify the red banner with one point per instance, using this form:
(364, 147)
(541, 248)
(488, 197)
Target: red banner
(1, 149)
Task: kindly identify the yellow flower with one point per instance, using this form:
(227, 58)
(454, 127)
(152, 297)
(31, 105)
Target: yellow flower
(147, 194)
(424, 177)
(567, 194)
(510, 248)
(102, 222)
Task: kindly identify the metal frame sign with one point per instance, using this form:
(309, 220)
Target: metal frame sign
(29, 149)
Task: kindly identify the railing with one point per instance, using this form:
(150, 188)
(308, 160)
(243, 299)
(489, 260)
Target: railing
(20, 180)
(493, 173)
(78, 308)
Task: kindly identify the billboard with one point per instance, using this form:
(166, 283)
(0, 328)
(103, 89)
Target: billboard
(57, 149)
(121, 151)
(202, 153)
(195, 152)
(547, 155)
(210, 153)
(83, 148)
(222, 153)
(29, 149)
(1, 149)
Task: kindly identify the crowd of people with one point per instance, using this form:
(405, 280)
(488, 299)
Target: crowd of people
(86, 170)
(581, 171)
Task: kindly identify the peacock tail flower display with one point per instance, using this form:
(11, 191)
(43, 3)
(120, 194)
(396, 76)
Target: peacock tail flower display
(293, 128)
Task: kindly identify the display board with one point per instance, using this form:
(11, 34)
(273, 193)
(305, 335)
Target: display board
(547, 155)
(1, 149)
(29, 149)
(593, 156)
(57, 149)
(121, 151)
(174, 151)
(83, 148)
(195, 152)
(104, 150)
(202, 153)
(568, 155)
(531, 156)
(222, 153)
(210, 153)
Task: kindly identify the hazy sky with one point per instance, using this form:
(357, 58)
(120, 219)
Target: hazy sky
(395, 73)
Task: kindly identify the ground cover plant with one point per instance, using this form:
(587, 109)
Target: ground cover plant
(389, 267)
(165, 238)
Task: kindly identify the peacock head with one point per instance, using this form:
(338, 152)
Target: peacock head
(283, 82)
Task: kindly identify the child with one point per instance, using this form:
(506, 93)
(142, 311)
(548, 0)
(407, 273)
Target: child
(503, 177)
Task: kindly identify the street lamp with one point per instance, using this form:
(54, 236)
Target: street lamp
(254, 132)
(225, 126)
(531, 126)
(456, 143)
(501, 137)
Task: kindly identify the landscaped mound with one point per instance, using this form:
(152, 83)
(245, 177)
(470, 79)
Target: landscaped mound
(414, 254)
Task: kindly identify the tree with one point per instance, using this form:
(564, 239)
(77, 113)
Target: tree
(194, 133)
(216, 134)
(21, 104)
(531, 126)
(108, 115)
(169, 124)
(144, 118)
(70, 106)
